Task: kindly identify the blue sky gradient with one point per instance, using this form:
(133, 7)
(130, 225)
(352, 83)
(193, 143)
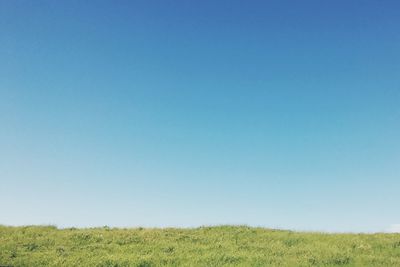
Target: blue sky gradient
(184, 113)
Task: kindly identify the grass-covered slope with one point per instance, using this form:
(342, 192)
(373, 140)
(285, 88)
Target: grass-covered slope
(205, 246)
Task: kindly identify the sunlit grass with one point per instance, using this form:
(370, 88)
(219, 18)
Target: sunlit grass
(204, 246)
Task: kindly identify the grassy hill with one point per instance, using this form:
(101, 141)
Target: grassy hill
(205, 246)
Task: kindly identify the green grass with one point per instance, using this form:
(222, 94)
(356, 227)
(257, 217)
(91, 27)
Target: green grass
(205, 246)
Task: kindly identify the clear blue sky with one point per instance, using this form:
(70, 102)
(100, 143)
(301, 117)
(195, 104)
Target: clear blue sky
(185, 113)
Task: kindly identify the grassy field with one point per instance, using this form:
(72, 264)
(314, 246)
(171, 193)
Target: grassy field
(205, 246)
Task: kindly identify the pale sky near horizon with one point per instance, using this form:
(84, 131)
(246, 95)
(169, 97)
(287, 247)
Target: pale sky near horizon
(282, 114)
